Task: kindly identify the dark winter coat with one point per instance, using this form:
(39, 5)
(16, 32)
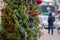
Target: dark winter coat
(51, 19)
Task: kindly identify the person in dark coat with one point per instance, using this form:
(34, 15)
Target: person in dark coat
(51, 19)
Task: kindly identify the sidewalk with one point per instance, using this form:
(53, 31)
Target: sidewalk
(46, 36)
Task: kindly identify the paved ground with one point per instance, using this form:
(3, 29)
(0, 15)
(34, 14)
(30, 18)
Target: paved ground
(46, 36)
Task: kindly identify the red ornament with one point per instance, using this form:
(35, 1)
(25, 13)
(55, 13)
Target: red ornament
(34, 13)
(39, 1)
(10, 28)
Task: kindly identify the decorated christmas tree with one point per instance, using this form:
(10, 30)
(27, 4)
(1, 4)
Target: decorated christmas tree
(19, 20)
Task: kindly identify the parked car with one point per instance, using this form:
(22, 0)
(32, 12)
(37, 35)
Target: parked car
(57, 25)
(45, 22)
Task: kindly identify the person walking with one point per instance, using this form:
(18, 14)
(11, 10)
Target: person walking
(51, 19)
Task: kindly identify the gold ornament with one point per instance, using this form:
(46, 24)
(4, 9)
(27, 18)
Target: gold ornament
(48, 2)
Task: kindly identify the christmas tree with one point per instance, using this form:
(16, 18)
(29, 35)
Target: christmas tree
(19, 20)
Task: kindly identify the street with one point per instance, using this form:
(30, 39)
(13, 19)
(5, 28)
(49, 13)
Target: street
(46, 36)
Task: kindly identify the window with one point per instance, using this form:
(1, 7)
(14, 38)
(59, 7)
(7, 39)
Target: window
(43, 8)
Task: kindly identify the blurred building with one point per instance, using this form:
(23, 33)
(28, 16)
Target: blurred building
(45, 4)
(58, 3)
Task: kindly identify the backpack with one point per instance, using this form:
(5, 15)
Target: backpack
(51, 19)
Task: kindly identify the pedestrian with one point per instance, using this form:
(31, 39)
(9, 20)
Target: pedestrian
(51, 19)
(40, 18)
